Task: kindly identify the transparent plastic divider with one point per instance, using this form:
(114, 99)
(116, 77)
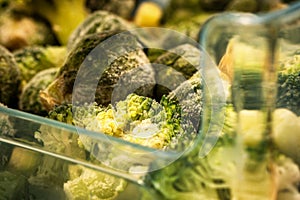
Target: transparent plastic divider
(248, 49)
(141, 157)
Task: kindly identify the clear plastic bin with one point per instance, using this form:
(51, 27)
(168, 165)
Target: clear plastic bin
(259, 56)
(249, 162)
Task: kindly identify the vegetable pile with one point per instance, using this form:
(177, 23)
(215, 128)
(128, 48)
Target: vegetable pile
(39, 75)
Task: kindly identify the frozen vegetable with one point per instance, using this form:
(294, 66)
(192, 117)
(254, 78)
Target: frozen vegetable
(13, 186)
(141, 120)
(288, 84)
(34, 59)
(137, 119)
(105, 66)
(10, 78)
(20, 29)
(229, 171)
(122, 8)
(288, 179)
(184, 105)
(23, 161)
(174, 67)
(85, 183)
(286, 125)
(29, 98)
(6, 126)
(97, 22)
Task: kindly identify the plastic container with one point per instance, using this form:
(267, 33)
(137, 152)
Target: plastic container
(249, 161)
(254, 53)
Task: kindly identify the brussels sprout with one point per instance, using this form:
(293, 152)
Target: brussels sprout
(18, 30)
(9, 78)
(174, 67)
(105, 65)
(122, 8)
(29, 99)
(33, 59)
(98, 22)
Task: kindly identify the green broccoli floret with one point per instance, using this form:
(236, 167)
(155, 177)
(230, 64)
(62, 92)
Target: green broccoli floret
(34, 59)
(53, 172)
(13, 186)
(288, 95)
(85, 183)
(137, 119)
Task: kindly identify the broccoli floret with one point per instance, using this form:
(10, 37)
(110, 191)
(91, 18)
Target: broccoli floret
(34, 59)
(137, 119)
(85, 183)
(13, 186)
(288, 178)
(53, 172)
(288, 94)
(29, 98)
(9, 78)
(226, 172)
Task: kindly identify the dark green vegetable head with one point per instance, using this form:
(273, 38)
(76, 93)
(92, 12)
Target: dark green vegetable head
(9, 78)
(18, 30)
(98, 22)
(98, 65)
(29, 98)
(34, 59)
